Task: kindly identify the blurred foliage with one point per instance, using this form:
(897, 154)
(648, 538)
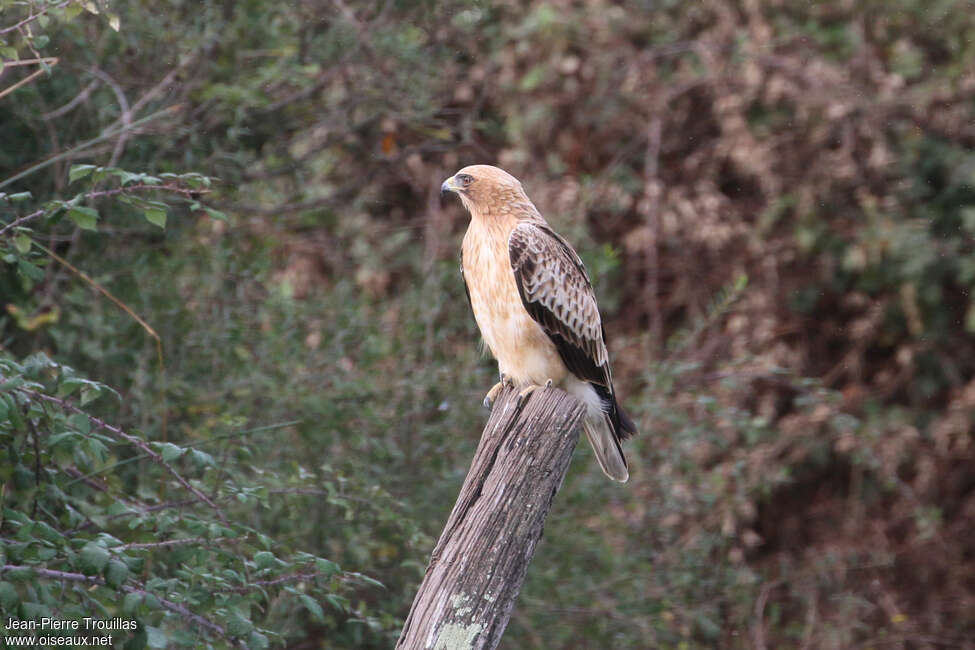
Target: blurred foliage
(228, 213)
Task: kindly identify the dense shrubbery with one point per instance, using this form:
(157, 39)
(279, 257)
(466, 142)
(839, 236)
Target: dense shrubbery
(304, 369)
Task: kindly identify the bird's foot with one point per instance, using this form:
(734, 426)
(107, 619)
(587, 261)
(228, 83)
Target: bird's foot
(528, 390)
(496, 390)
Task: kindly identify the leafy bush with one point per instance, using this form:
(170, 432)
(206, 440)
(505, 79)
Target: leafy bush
(801, 477)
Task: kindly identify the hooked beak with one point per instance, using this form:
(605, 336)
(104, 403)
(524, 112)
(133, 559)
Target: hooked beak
(448, 186)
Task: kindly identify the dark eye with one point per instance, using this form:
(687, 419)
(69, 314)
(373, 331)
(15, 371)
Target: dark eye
(465, 179)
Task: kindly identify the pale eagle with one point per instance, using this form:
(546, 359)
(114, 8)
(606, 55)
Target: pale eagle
(535, 306)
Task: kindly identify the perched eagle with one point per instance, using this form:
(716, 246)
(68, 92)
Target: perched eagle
(535, 306)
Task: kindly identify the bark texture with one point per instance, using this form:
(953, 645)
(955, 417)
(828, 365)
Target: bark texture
(479, 564)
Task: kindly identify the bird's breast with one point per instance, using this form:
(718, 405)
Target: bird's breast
(523, 350)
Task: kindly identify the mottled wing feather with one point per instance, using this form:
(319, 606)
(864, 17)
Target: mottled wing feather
(558, 295)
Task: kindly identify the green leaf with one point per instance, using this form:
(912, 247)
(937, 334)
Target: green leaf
(80, 422)
(12, 383)
(22, 243)
(8, 596)
(237, 625)
(128, 177)
(79, 171)
(169, 451)
(47, 532)
(15, 417)
(72, 11)
(131, 602)
(26, 532)
(338, 602)
(366, 579)
(43, 553)
(116, 573)
(139, 638)
(118, 508)
(30, 271)
(202, 458)
(264, 559)
(156, 216)
(313, 608)
(101, 173)
(93, 559)
(90, 390)
(327, 567)
(215, 214)
(84, 217)
(35, 611)
(19, 196)
(89, 393)
(258, 641)
(156, 637)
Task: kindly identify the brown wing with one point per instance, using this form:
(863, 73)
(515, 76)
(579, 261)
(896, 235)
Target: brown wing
(558, 295)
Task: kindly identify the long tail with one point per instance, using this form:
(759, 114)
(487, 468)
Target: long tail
(606, 425)
(606, 445)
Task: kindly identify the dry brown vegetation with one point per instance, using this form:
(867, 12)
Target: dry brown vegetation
(804, 474)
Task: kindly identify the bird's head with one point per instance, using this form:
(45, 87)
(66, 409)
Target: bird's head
(485, 190)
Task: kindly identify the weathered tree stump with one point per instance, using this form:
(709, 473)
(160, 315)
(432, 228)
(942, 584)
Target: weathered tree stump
(479, 564)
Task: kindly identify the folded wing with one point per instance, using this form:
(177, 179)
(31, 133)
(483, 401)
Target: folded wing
(558, 295)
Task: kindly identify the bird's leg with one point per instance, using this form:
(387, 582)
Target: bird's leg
(497, 388)
(528, 390)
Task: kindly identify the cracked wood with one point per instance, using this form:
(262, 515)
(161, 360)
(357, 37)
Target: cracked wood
(479, 564)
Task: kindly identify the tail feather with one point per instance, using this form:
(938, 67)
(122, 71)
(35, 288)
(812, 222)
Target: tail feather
(606, 425)
(624, 425)
(606, 446)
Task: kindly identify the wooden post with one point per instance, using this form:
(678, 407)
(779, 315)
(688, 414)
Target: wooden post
(479, 564)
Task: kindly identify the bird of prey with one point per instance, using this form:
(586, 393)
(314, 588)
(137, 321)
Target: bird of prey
(535, 306)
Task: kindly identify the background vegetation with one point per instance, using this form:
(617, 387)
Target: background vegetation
(239, 385)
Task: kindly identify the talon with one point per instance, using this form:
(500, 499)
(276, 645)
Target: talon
(548, 383)
(493, 393)
(526, 392)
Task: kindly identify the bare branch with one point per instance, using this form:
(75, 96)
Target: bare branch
(170, 543)
(79, 98)
(26, 80)
(88, 143)
(34, 17)
(255, 584)
(21, 220)
(126, 116)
